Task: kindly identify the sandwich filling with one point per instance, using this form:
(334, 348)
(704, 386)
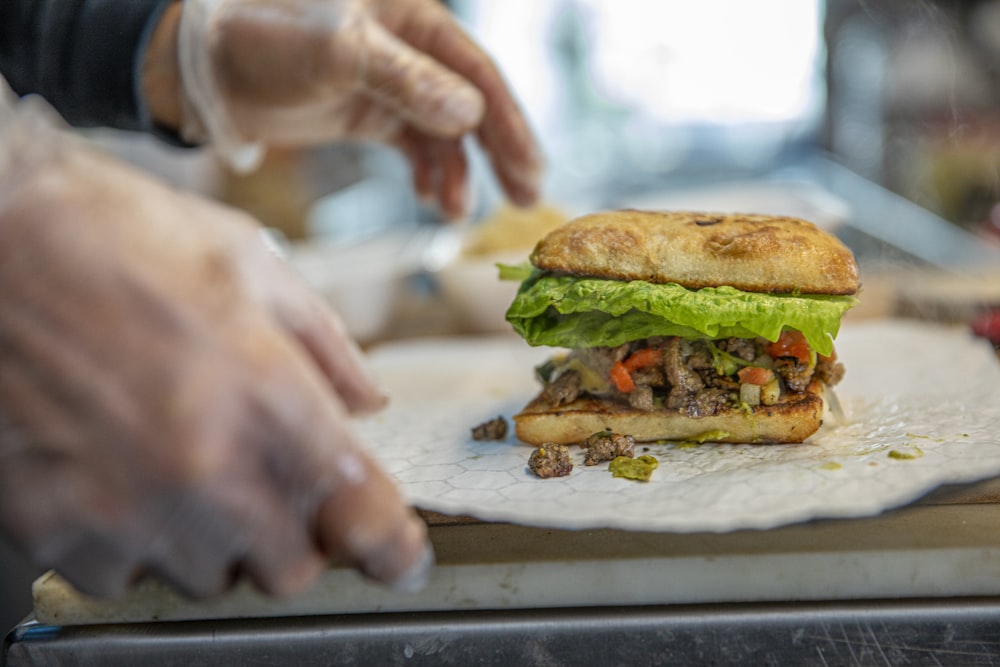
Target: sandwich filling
(655, 346)
(696, 377)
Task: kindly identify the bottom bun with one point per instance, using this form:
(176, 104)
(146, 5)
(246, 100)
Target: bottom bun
(789, 421)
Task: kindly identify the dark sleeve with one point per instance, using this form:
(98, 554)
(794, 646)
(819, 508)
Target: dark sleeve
(83, 56)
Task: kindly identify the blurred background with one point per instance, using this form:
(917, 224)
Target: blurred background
(877, 119)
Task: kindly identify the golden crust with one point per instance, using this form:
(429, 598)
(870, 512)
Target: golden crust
(790, 421)
(754, 253)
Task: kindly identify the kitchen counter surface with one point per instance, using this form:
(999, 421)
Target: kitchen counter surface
(917, 582)
(948, 546)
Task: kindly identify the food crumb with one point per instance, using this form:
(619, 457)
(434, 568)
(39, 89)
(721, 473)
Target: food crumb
(605, 446)
(550, 460)
(494, 429)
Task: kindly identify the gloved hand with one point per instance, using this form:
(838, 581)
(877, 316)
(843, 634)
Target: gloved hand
(402, 72)
(172, 400)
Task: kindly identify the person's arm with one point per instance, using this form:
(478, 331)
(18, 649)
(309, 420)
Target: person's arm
(83, 56)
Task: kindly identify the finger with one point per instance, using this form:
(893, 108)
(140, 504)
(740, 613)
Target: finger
(416, 151)
(337, 356)
(366, 522)
(520, 179)
(504, 132)
(440, 171)
(321, 333)
(245, 518)
(422, 91)
(275, 571)
(285, 558)
(322, 477)
(93, 566)
(452, 186)
(196, 548)
(248, 483)
(95, 543)
(193, 570)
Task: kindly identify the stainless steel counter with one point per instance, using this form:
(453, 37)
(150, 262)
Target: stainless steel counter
(912, 632)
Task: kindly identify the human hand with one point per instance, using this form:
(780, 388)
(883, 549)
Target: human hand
(297, 72)
(172, 400)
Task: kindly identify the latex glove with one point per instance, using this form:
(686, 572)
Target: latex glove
(402, 72)
(172, 399)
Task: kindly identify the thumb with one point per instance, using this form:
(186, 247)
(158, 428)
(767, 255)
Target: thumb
(423, 92)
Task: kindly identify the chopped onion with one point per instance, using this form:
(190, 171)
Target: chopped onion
(750, 394)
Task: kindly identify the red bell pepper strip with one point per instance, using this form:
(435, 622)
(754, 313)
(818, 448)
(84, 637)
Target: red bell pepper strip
(621, 378)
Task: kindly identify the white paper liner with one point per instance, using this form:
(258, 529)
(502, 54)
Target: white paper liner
(926, 392)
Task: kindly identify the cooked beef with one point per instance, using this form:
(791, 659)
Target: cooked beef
(795, 373)
(716, 381)
(742, 348)
(652, 376)
(605, 446)
(494, 429)
(641, 398)
(564, 389)
(698, 356)
(829, 372)
(684, 382)
(550, 460)
(709, 402)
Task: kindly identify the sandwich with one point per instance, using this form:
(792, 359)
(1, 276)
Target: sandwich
(683, 326)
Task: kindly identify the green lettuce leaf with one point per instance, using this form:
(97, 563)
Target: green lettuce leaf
(566, 311)
(516, 272)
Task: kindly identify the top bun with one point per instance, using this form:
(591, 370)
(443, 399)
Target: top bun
(753, 253)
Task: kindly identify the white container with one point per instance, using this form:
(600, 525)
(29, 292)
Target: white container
(361, 281)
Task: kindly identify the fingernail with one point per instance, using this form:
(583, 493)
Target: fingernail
(415, 579)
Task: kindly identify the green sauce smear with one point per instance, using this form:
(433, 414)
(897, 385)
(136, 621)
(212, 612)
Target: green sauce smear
(906, 456)
(640, 468)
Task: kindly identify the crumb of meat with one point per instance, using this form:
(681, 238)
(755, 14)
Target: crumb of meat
(829, 372)
(550, 460)
(605, 446)
(494, 429)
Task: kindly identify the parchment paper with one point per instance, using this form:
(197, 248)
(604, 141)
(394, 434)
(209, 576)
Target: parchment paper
(922, 404)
